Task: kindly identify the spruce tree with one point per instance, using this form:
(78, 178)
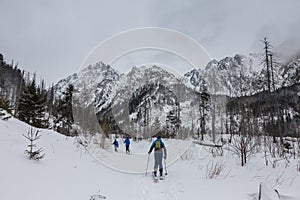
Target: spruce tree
(32, 106)
(5, 109)
(64, 112)
(5, 104)
(25, 110)
(39, 119)
(32, 152)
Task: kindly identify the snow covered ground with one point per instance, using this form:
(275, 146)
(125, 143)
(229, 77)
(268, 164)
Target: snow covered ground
(69, 171)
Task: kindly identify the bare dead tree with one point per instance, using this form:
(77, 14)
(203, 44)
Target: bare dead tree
(214, 169)
(243, 144)
(269, 69)
(203, 109)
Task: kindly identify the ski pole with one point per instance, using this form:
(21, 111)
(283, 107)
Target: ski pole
(165, 167)
(147, 164)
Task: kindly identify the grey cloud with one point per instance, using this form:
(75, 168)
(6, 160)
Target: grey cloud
(52, 38)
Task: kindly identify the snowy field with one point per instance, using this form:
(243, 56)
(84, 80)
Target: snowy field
(71, 172)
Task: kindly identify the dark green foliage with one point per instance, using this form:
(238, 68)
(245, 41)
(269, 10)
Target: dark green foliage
(1, 58)
(282, 102)
(50, 100)
(66, 105)
(64, 112)
(32, 106)
(4, 109)
(5, 105)
(11, 81)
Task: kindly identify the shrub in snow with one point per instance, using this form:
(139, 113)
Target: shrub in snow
(275, 162)
(188, 155)
(243, 146)
(32, 152)
(97, 196)
(217, 151)
(214, 170)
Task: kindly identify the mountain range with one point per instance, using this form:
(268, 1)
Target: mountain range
(151, 96)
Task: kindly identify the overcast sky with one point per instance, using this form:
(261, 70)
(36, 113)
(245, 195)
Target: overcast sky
(52, 38)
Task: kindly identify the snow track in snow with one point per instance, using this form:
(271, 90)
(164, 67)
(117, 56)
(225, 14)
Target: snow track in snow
(163, 189)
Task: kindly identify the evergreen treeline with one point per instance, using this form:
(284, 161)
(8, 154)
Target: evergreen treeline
(283, 104)
(33, 103)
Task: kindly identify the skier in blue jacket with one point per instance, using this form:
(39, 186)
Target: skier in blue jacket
(160, 151)
(127, 143)
(116, 144)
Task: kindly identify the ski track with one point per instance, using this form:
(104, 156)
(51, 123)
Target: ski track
(163, 189)
(254, 196)
(288, 198)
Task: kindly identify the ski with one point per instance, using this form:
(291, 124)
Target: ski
(156, 178)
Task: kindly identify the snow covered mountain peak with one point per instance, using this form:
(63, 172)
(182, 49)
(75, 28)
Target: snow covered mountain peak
(226, 73)
(93, 74)
(150, 74)
(291, 72)
(88, 79)
(211, 64)
(233, 65)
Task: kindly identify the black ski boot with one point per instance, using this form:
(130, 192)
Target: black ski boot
(161, 174)
(155, 174)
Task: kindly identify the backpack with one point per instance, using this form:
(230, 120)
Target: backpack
(116, 143)
(157, 144)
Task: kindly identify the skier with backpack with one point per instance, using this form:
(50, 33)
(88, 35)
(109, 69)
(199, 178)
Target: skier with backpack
(116, 144)
(127, 143)
(160, 152)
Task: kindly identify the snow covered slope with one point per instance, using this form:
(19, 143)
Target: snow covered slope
(69, 171)
(66, 172)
